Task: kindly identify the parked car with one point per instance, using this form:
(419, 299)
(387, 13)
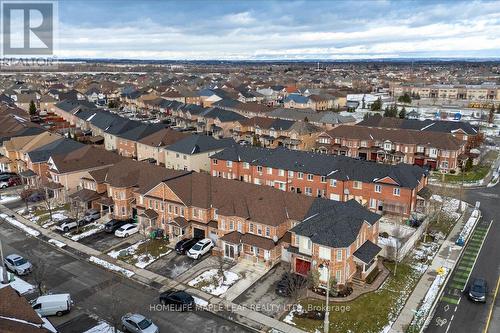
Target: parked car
(35, 197)
(200, 248)
(184, 245)
(113, 225)
(478, 289)
(6, 177)
(4, 183)
(177, 300)
(288, 283)
(50, 305)
(126, 230)
(18, 264)
(137, 323)
(66, 224)
(92, 215)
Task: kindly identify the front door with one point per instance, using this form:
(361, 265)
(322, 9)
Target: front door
(198, 233)
(229, 251)
(302, 267)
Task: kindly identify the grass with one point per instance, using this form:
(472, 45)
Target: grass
(153, 247)
(478, 172)
(370, 312)
(444, 225)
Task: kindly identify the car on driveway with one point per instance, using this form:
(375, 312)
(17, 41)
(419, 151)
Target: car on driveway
(478, 289)
(4, 183)
(184, 245)
(18, 264)
(91, 215)
(288, 283)
(177, 300)
(200, 248)
(66, 225)
(137, 323)
(126, 230)
(111, 226)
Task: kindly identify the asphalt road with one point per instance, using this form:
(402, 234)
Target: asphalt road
(101, 293)
(463, 315)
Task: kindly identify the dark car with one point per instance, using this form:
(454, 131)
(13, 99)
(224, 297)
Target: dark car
(478, 290)
(35, 197)
(290, 282)
(113, 225)
(184, 245)
(177, 300)
(15, 181)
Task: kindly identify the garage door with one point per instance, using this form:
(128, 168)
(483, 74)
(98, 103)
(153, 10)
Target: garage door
(198, 233)
(302, 267)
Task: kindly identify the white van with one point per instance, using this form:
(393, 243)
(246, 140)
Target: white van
(50, 305)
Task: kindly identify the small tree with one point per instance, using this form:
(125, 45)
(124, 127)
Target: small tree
(377, 105)
(32, 108)
(39, 272)
(405, 99)
(76, 212)
(221, 268)
(402, 113)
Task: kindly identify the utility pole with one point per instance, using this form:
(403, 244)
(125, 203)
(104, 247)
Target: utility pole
(326, 322)
(5, 277)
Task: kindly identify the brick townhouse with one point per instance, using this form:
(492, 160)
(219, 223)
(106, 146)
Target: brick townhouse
(381, 187)
(435, 150)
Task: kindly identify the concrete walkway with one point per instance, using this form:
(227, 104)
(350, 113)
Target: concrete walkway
(447, 257)
(251, 273)
(218, 306)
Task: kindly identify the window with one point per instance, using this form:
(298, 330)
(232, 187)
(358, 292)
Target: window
(378, 188)
(308, 191)
(290, 174)
(216, 216)
(373, 203)
(215, 161)
(269, 171)
(176, 210)
(339, 255)
(231, 225)
(281, 172)
(333, 182)
(396, 191)
(229, 164)
(250, 228)
(300, 175)
(182, 211)
(268, 232)
(246, 165)
(223, 224)
(324, 253)
(259, 168)
(323, 179)
(259, 230)
(170, 208)
(310, 177)
(338, 276)
(196, 212)
(357, 185)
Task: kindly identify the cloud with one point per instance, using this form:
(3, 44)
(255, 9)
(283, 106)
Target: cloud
(282, 30)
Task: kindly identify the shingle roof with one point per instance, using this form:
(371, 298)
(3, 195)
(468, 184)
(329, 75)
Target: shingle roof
(60, 146)
(331, 166)
(141, 131)
(87, 157)
(367, 252)
(196, 144)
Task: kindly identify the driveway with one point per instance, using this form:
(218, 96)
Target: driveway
(172, 265)
(103, 241)
(261, 296)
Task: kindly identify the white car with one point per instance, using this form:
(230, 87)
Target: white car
(200, 248)
(17, 264)
(127, 230)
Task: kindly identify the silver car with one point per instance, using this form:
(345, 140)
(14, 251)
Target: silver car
(18, 264)
(137, 323)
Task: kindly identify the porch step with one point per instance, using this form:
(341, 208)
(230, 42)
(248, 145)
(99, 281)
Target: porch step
(358, 282)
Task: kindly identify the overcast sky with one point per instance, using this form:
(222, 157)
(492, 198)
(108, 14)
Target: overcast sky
(278, 29)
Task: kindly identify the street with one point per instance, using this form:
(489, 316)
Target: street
(98, 292)
(454, 312)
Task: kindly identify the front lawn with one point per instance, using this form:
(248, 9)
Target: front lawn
(142, 253)
(477, 173)
(84, 231)
(213, 282)
(371, 312)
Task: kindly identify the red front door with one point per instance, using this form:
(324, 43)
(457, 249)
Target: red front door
(302, 267)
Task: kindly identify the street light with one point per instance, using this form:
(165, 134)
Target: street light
(326, 323)
(5, 276)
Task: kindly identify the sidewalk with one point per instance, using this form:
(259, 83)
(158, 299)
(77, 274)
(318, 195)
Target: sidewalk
(448, 255)
(217, 306)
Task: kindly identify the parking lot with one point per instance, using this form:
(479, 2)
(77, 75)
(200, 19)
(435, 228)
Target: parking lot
(261, 295)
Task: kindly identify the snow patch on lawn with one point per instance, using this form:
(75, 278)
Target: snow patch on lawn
(213, 283)
(21, 286)
(110, 266)
(94, 229)
(20, 225)
(57, 243)
(143, 260)
(289, 317)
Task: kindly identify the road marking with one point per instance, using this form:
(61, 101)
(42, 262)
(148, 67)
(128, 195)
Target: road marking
(492, 307)
(479, 251)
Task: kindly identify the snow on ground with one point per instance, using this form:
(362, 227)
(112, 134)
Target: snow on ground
(110, 266)
(469, 225)
(6, 198)
(21, 286)
(389, 241)
(20, 225)
(450, 205)
(429, 299)
(200, 302)
(94, 229)
(143, 260)
(289, 317)
(215, 286)
(57, 243)
(102, 327)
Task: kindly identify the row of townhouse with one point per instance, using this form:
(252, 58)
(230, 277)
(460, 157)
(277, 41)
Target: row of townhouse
(461, 130)
(446, 91)
(394, 189)
(246, 222)
(434, 150)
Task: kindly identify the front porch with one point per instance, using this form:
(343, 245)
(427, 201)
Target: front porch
(365, 258)
(250, 248)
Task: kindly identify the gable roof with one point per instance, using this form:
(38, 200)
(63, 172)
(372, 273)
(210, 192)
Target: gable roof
(87, 157)
(61, 146)
(196, 143)
(163, 137)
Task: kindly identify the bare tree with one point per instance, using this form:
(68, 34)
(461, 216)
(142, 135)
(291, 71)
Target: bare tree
(76, 212)
(397, 234)
(221, 268)
(39, 273)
